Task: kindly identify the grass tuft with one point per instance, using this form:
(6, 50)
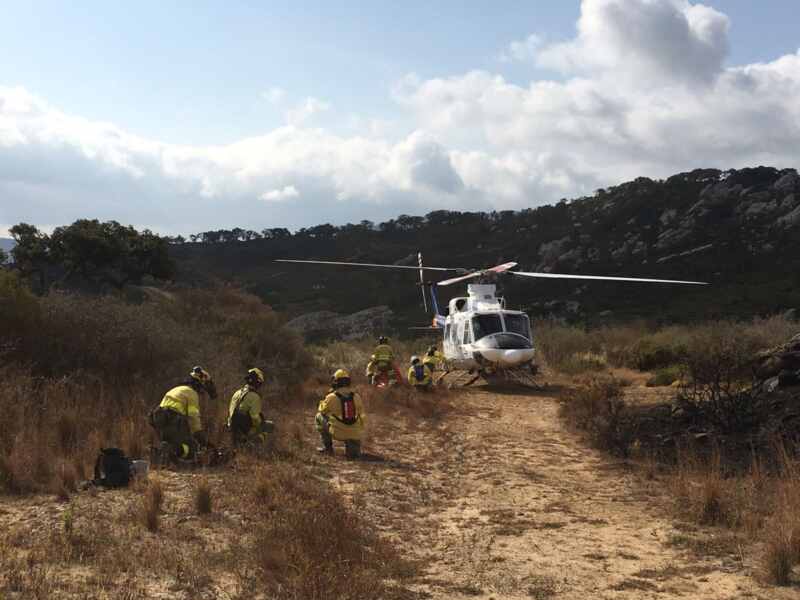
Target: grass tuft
(202, 497)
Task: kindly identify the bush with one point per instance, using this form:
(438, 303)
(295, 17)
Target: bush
(599, 411)
(665, 376)
(721, 389)
(561, 346)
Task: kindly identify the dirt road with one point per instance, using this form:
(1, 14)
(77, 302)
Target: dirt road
(499, 501)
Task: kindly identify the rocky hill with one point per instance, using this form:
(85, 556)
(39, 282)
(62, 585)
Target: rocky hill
(737, 229)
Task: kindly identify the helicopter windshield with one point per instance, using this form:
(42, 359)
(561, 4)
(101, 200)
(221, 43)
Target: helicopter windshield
(483, 325)
(518, 324)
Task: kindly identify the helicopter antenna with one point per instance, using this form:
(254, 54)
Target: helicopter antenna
(422, 281)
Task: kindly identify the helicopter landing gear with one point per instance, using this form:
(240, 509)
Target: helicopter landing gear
(524, 376)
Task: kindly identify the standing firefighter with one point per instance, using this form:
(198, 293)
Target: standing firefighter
(177, 418)
(246, 420)
(419, 376)
(341, 417)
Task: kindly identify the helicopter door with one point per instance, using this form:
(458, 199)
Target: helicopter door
(466, 337)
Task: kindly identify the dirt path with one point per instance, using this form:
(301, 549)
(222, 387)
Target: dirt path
(500, 502)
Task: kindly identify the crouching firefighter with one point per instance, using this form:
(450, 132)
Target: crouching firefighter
(340, 416)
(246, 420)
(419, 376)
(177, 418)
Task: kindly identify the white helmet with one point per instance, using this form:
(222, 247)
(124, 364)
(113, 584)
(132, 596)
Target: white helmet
(414, 359)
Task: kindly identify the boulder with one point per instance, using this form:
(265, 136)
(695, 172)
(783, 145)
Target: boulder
(780, 361)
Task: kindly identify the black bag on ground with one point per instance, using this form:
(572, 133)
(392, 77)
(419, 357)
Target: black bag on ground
(112, 468)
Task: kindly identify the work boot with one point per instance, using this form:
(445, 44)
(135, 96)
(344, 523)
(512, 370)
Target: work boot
(326, 449)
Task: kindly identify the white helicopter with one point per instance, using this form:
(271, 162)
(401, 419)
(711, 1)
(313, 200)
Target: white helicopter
(480, 336)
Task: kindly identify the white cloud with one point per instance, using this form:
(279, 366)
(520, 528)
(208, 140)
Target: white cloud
(274, 95)
(646, 93)
(522, 50)
(306, 110)
(277, 195)
(656, 40)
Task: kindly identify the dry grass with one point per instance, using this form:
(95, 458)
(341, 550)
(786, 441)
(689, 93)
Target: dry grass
(151, 503)
(202, 497)
(64, 395)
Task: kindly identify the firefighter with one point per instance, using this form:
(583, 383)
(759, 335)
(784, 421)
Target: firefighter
(246, 420)
(384, 362)
(371, 370)
(419, 376)
(340, 417)
(433, 358)
(177, 418)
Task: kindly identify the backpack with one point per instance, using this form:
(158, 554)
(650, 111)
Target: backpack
(241, 422)
(112, 468)
(349, 414)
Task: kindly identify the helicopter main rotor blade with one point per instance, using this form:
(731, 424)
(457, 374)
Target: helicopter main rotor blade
(605, 278)
(498, 269)
(461, 278)
(354, 264)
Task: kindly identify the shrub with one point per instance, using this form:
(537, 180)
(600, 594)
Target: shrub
(599, 410)
(721, 389)
(561, 344)
(665, 376)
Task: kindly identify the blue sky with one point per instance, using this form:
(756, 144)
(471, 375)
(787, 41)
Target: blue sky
(143, 111)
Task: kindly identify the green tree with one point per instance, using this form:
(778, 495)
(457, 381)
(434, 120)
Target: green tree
(99, 253)
(31, 252)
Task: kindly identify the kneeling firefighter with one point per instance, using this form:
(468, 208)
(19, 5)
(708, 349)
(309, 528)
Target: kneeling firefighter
(340, 416)
(246, 420)
(419, 376)
(177, 418)
(433, 359)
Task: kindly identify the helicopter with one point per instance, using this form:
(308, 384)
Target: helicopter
(480, 336)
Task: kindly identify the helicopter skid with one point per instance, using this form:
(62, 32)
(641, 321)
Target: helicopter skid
(518, 376)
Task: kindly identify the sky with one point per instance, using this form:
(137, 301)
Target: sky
(187, 116)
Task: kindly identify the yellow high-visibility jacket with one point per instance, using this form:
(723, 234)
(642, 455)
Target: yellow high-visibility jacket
(426, 378)
(432, 361)
(250, 404)
(331, 407)
(371, 368)
(184, 401)
(384, 353)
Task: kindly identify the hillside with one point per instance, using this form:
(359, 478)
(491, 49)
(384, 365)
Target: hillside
(738, 229)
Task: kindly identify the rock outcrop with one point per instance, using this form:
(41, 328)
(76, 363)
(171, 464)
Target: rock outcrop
(331, 325)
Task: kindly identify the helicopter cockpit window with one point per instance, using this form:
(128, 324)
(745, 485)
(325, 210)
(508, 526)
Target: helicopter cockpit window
(518, 324)
(483, 325)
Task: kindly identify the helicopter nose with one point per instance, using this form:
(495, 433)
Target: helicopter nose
(508, 358)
